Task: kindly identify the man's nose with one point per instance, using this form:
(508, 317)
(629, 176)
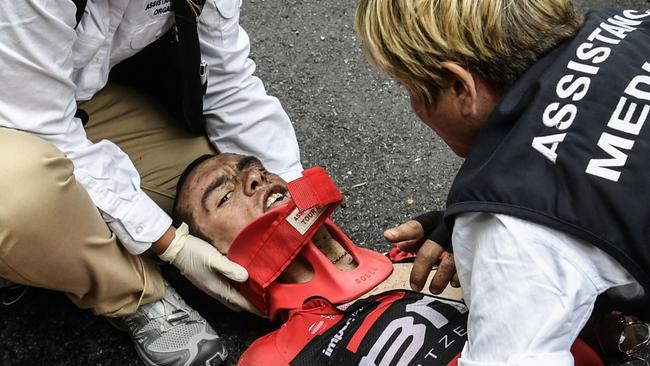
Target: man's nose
(254, 179)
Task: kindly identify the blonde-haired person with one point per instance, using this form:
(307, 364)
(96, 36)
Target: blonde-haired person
(549, 209)
(89, 167)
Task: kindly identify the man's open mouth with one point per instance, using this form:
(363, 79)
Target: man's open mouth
(276, 197)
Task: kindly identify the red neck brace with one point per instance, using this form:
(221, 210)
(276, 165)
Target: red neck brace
(270, 243)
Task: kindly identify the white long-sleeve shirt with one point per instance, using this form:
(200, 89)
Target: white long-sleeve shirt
(529, 288)
(46, 66)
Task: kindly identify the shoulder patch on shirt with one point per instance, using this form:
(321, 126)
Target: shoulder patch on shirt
(158, 7)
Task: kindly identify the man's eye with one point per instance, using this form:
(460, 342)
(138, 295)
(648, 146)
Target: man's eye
(263, 172)
(225, 198)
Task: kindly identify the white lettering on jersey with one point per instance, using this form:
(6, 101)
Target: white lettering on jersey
(460, 331)
(337, 337)
(413, 332)
(406, 330)
(422, 307)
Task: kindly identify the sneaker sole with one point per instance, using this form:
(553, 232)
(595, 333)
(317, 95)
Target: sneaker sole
(221, 355)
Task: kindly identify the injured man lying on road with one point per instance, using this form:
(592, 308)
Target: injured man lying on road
(340, 303)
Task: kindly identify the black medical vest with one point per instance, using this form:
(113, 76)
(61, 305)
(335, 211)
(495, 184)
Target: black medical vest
(555, 152)
(170, 68)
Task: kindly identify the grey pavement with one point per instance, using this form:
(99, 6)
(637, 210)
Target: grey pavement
(348, 118)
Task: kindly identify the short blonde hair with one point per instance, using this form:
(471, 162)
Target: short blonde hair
(195, 7)
(495, 39)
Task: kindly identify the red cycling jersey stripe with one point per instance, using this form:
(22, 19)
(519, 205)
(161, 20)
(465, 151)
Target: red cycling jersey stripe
(370, 319)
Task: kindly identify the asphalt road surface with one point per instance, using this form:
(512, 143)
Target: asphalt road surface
(348, 118)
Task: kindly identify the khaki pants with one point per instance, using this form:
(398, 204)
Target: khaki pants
(51, 233)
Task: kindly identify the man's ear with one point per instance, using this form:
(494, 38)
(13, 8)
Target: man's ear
(464, 88)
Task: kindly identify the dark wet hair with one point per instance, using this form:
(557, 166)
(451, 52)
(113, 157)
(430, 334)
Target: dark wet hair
(179, 215)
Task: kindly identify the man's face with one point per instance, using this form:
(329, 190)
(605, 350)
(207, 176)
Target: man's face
(461, 109)
(447, 121)
(226, 193)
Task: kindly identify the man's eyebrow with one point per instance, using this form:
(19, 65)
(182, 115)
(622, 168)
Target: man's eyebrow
(247, 161)
(211, 188)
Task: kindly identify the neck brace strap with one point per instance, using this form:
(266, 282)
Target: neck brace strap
(271, 242)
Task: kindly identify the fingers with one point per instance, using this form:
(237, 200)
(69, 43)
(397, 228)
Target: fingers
(410, 245)
(235, 301)
(228, 268)
(455, 281)
(222, 290)
(410, 230)
(445, 273)
(425, 259)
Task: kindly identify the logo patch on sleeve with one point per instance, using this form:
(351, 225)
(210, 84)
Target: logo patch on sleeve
(158, 7)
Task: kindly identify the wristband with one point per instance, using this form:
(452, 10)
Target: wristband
(430, 221)
(435, 229)
(442, 236)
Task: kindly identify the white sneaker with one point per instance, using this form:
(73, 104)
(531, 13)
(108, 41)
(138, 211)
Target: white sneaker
(169, 332)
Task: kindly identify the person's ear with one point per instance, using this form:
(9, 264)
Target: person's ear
(464, 88)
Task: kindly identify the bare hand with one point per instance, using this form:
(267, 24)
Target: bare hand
(410, 237)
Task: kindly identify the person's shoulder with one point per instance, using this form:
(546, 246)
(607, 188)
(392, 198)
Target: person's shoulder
(279, 347)
(263, 351)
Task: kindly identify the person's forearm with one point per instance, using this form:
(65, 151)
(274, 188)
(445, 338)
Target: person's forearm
(160, 245)
(240, 116)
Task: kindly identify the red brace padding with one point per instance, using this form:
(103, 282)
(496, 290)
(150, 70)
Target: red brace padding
(269, 244)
